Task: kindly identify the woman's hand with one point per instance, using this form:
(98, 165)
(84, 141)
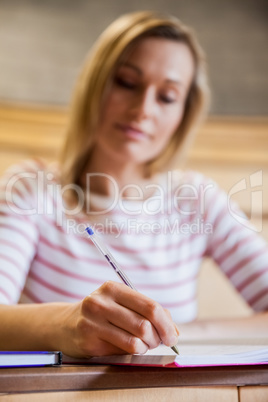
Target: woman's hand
(114, 320)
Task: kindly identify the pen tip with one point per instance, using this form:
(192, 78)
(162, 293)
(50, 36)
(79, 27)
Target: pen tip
(175, 349)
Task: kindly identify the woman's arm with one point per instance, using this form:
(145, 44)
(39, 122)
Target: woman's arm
(114, 319)
(242, 255)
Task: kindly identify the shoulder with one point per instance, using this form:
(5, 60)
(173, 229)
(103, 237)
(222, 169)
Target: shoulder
(195, 191)
(26, 166)
(21, 182)
(191, 181)
(30, 170)
(180, 176)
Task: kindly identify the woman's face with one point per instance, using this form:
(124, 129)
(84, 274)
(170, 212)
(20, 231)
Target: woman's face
(145, 103)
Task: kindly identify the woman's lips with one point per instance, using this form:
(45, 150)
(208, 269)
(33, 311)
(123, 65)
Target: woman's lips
(132, 132)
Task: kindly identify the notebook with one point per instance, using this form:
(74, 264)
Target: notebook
(193, 355)
(29, 358)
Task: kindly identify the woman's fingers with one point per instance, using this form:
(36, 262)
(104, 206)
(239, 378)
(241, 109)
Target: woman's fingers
(101, 338)
(124, 340)
(175, 325)
(103, 312)
(134, 324)
(145, 307)
(116, 319)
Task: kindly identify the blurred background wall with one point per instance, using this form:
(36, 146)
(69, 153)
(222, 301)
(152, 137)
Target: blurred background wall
(44, 42)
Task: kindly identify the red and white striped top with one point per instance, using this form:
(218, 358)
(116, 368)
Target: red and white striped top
(160, 243)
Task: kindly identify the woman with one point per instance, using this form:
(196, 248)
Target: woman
(138, 100)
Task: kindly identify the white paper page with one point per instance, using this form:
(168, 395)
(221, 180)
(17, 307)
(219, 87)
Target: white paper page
(213, 353)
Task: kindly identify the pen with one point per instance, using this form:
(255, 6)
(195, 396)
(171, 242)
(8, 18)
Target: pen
(106, 253)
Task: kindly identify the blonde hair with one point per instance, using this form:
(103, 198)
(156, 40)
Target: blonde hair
(97, 73)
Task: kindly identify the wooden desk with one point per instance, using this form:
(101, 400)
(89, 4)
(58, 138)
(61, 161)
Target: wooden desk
(111, 383)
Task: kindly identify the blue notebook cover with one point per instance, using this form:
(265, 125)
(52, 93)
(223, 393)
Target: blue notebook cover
(29, 358)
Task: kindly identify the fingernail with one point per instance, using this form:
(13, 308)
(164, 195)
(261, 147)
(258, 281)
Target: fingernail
(173, 340)
(142, 347)
(177, 330)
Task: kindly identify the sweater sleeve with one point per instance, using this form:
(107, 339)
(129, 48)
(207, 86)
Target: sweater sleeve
(237, 247)
(18, 229)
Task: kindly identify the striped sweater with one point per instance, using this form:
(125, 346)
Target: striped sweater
(160, 242)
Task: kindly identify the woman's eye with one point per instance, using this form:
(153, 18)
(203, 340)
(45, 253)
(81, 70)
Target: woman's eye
(125, 83)
(167, 99)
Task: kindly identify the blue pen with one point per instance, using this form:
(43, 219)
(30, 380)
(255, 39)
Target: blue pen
(106, 253)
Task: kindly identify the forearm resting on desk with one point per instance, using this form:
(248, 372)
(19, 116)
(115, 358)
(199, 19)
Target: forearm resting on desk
(254, 326)
(114, 319)
(31, 326)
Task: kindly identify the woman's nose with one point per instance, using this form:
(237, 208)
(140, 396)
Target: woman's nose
(144, 104)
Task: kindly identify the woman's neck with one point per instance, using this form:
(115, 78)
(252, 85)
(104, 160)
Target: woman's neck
(105, 178)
